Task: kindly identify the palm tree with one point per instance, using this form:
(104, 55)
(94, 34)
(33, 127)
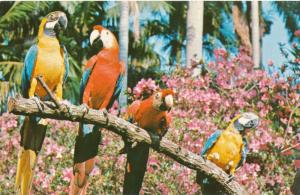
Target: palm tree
(140, 53)
(250, 24)
(241, 25)
(255, 34)
(194, 31)
(123, 42)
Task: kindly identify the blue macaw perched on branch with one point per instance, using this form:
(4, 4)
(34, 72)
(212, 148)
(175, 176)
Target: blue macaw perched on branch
(227, 149)
(49, 59)
(100, 86)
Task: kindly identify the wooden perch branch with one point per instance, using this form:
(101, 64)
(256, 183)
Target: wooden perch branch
(121, 127)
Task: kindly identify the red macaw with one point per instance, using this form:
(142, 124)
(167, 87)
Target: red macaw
(50, 60)
(100, 86)
(150, 114)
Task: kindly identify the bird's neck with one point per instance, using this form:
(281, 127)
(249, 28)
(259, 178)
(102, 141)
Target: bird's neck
(232, 128)
(48, 42)
(49, 33)
(113, 53)
(112, 50)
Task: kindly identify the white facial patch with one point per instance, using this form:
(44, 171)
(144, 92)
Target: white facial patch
(248, 117)
(107, 38)
(169, 101)
(94, 35)
(51, 25)
(157, 100)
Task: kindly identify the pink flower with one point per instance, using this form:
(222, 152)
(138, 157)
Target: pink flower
(67, 174)
(297, 33)
(144, 88)
(270, 63)
(279, 141)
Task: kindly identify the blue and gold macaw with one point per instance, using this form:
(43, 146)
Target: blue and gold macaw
(49, 59)
(227, 149)
(100, 86)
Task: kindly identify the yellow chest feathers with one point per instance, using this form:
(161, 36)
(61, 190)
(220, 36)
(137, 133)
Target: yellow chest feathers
(49, 62)
(226, 152)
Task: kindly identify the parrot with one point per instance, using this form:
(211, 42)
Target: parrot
(100, 86)
(151, 114)
(49, 59)
(227, 149)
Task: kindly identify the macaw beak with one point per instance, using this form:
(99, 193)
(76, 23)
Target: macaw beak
(169, 101)
(94, 35)
(63, 21)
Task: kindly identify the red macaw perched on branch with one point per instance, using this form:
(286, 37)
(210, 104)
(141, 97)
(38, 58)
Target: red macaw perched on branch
(100, 86)
(151, 115)
(48, 59)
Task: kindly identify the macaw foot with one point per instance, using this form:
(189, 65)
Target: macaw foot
(230, 178)
(105, 113)
(39, 103)
(85, 109)
(65, 106)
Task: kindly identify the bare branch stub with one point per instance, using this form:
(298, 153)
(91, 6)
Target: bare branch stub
(51, 95)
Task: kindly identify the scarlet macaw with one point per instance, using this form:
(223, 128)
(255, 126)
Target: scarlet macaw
(150, 114)
(227, 149)
(49, 59)
(100, 86)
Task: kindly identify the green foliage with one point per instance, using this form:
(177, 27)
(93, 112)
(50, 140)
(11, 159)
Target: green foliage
(289, 10)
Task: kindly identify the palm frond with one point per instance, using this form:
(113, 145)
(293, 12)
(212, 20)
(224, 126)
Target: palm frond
(20, 17)
(11, 71)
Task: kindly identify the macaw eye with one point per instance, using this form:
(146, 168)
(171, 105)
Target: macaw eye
(52, 17)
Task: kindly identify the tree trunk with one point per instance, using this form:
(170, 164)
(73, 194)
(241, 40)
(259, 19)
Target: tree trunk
(123, 42)
(241, 27)
(255, 33)
(194, 31)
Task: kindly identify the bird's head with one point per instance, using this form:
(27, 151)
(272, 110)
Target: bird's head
(163, 99)
(245, 121)
(54, 22)
(104, 35)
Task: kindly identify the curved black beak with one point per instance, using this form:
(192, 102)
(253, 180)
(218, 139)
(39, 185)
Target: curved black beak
(63, 21)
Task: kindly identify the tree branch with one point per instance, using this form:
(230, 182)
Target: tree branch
(21, 106)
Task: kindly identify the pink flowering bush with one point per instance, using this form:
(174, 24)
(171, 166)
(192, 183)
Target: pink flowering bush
(144, 88)
(231, 86)
(203, 104)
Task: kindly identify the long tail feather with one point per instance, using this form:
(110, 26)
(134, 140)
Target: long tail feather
(32, 137)
(24, 177)
(21, 160)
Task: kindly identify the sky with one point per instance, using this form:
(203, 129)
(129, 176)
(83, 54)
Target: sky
(279, 34)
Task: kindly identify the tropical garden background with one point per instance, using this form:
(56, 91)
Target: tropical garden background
(210, 53)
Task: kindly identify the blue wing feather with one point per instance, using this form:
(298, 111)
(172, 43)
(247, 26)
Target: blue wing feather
(28, 68)
(83, 82)
(210, 142)
(244, 153)
(66, 62)
(117, 90)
